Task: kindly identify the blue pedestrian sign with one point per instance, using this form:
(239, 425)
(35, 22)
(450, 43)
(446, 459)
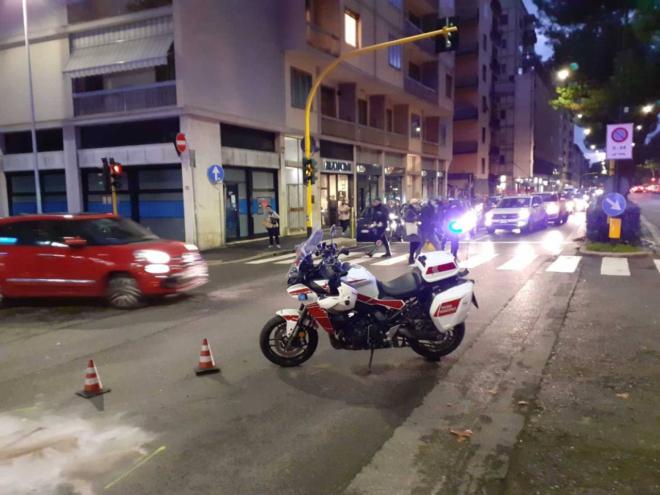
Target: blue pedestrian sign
(216, 174)
(614, 204)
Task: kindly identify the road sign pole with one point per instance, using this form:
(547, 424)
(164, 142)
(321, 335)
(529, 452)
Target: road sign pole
(113, 193)
(446, 31)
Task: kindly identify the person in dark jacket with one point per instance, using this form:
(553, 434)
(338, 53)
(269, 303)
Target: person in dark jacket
(380, 217)
(411, 213)
(452, 211)
(427, 230)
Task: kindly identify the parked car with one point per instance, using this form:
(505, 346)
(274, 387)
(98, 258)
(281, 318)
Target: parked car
(637, 189)
(555, 207)
(524, 213)
(93, 255)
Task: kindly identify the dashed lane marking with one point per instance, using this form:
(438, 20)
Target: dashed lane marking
(617, 267)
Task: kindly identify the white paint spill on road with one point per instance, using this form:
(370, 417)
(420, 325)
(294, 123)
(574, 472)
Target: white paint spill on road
(48, 454)
(564, 264)
(617, 267)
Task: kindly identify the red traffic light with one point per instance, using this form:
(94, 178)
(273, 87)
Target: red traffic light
(115, 169)
(652, 179)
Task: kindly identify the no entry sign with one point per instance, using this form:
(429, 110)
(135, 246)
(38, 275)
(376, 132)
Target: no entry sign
(180, 143)
(619, 141)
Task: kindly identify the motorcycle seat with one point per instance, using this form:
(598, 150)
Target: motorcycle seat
(401, 287)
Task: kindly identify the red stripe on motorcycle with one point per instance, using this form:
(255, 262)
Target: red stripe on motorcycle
(291, 317)
(387, 303)
(320, 315)
(441, 268)
(300, 291)
(447, 308)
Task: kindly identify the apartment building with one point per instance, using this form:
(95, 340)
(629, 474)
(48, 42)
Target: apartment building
(119, 78)
(476, 61)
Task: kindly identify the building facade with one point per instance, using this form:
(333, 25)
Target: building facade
(120, 78)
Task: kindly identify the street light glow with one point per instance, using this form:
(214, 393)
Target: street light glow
(563, 74)
(587, 131)
(579, 115)
(647, 108)
(639, 127)
(593, 147)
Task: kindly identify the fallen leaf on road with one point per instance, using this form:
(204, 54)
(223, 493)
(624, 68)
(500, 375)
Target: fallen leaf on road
(492, 391)
(523, 403)
(624, 395)
(462, 435)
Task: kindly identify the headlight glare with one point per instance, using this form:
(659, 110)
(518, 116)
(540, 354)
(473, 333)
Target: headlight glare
(152, 256)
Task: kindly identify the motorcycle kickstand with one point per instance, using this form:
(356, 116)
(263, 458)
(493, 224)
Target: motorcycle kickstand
(371, 358)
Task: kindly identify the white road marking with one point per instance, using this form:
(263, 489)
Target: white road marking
(392, 261)
(359, 261)
(565, 264)
(518, 262)
(657, 264)
(617, 267)
(479, 259)
(271, 259)
(341, 258)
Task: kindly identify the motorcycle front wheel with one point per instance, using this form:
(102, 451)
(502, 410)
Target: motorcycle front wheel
(447, 343)
(274, 344)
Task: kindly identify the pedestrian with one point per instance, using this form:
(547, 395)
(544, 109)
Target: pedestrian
(380, 217)
(344, 216)
(272, 224)
(428, 217)
(411, 220)
(452, 212)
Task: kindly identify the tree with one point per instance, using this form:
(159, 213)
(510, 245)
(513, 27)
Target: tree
(615, 46)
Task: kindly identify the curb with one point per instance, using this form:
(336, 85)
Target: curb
(639, 254)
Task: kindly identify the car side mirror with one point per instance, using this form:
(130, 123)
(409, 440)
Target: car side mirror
(75, 242)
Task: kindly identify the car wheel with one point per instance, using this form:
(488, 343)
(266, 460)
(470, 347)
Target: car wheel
(123, 292)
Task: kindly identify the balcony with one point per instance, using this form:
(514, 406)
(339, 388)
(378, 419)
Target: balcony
(348, 130)
(155, 95)
(468, 17)
(465, 147)
(338, 128)
(411, 29)
(469, 48)
(465, 112)
(467, 82)
(323, 40)
(429, 148)
(420, 90)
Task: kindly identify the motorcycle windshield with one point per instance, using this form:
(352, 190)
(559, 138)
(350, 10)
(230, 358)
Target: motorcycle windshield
(304, 249)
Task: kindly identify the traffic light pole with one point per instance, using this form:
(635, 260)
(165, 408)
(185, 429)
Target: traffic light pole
(113, 192)
(328, 69)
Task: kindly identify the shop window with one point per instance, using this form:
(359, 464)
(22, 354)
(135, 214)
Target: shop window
(301, 84)
(362, 112)
(328, 101)
(22, 196)
(235, 136)
(415, 126)
(449, 85)
(21, 142)
(351, 28)
(129, 133)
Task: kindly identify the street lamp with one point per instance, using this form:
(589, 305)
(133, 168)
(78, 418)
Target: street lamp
(646, 109)
(579, 116)
(563, 74)
(35, 156)
(639, 127)
(587, 131)
(593, 147)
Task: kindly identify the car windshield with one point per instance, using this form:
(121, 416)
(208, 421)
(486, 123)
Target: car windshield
(113, 231)
(514, 203)
(548, 197)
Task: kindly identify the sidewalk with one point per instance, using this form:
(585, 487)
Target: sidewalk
(258, 248)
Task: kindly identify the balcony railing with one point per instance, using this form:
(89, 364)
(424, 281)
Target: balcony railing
(465, 112)
(429, 148)
(467, 82)
(414, 87)
(349, 130)
(322, 39)
(160, 94)
(465, 147)
(411, 29)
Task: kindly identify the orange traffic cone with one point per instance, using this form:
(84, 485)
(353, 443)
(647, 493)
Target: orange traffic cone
(206, 363)
(93, 385)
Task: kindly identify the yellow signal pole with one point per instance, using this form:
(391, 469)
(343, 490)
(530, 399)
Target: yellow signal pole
(446, 31)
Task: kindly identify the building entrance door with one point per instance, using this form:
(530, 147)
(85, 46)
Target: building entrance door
(232, 211)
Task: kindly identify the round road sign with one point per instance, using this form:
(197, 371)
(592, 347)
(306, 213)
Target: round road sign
(180, 142)
(619, 134)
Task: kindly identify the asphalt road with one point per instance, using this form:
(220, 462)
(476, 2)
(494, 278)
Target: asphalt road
(650, 204)
(326, 427)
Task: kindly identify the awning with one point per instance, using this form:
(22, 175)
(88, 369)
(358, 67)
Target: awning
(119, 56)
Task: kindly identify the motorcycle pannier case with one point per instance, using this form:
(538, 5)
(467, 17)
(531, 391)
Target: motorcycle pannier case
(436, 265)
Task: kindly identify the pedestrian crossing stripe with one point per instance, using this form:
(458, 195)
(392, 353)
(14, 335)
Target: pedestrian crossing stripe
(478, 259)
(657, 264)
(617, 267)
(518, 262)
(271, 259)
(564, 264)
(391, 261)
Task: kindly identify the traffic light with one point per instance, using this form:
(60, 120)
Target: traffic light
(447, 43)
(112, 173)
(309, 169)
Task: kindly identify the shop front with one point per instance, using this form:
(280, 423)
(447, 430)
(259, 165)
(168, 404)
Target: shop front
(368, 184)
(336, 188)
(394, 192)
(22, 196)
(247, 193)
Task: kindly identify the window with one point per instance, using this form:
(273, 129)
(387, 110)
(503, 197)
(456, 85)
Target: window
(483, 135)
(483, 166)
(503, 43)
(351, 26)
(21, 142)
(449, 85)
(484, 104)
(389, 116)
(394, 55)
(414, 71)
(397, 4)
(415, 126)
(503, 114)
(328, 103)
(502, 159)
(443, 134)
(484, 42)
(234, 136)
(129, 133)
(504, 19)
(484, 73)
(362, 112)
(301, 83)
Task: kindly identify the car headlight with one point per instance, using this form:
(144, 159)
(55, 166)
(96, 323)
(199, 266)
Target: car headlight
(157, 269)
(393, 216)
(152, 256)
(523, 214)
(552, 209)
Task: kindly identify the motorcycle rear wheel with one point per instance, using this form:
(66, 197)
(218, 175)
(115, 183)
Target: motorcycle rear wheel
(273, 346)
(433, 350)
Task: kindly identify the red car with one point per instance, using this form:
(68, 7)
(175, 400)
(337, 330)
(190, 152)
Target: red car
(93, 256)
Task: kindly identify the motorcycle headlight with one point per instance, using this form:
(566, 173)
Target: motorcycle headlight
(552, 209)
(523, 214)
(152, 256)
